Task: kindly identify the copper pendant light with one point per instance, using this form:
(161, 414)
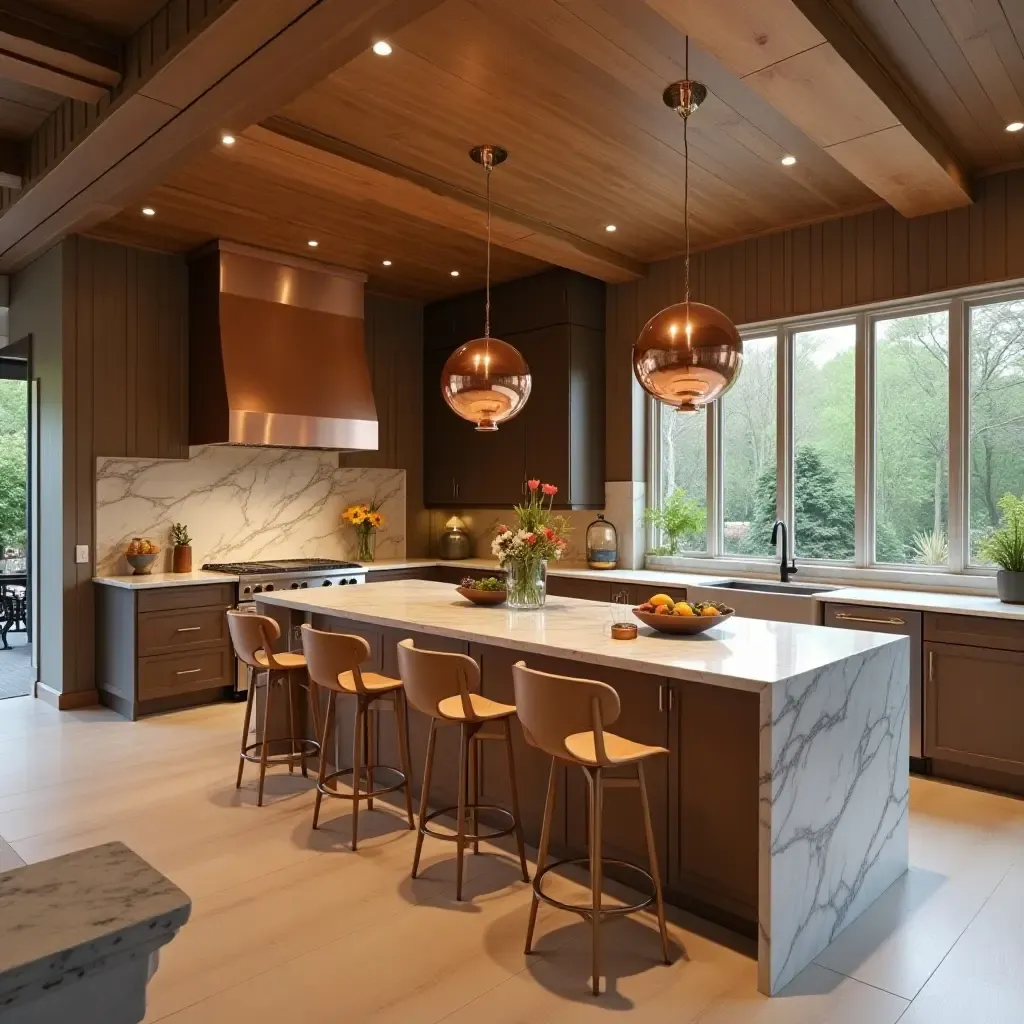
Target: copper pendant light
(486, 381)
(689, 354)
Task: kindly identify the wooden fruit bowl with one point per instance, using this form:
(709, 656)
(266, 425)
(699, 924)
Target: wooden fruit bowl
(683, 624)
(482, 596)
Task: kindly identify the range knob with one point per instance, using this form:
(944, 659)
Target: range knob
(269, 587)
(303, 585)
(326, 583)
(257, 589)
(294, 586)
(246, 590)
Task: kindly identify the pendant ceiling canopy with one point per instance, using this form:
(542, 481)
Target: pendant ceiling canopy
(486, 381)
(689, 354)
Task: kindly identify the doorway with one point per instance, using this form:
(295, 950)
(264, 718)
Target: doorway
(17, 653)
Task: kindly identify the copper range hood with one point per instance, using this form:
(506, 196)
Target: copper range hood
(276, 353)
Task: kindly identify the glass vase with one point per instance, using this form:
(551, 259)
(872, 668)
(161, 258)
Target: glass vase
(367, 545)
(526, 583)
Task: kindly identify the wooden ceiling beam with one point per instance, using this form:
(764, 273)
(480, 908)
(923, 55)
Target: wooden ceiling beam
(231, 69)
(292, 151)
(816, 63)
(56, 54)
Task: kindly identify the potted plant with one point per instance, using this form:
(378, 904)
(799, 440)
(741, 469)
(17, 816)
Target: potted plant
(677, 517)
(1005, 547)
(524, 553)
(181, 557)
(367, 519)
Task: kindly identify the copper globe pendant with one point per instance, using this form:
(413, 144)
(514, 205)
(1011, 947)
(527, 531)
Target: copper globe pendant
(689, 354)
(486, 381)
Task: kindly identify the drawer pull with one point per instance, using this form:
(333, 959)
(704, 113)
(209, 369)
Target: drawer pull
(931, 666)
(189, 629)
(893, 620)
(188, 671)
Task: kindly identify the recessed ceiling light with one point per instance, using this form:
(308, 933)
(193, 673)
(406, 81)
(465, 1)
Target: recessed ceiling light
(227, 140)
(148, 211)
(788, 161)
(455, 273)
(386, 263)
(382, 48)
(610, 227)
(312, 243)
(1015, 126)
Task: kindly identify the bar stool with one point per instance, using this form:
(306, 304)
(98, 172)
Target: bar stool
(446, 688)
(334, 660)
(253, 638)
(566, 718)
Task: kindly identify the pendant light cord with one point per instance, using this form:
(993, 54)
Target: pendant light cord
(487, 300)
(686, 185)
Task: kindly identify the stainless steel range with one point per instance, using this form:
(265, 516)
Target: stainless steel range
(283, 574)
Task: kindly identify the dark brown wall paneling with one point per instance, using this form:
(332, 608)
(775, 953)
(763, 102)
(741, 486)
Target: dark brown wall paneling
(108, 326)
(394, 350)
(869, 257)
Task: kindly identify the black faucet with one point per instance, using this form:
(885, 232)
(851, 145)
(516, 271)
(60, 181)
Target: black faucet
(788, 566)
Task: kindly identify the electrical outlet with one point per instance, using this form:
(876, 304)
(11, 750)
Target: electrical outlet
(82, 554)
(297, 635)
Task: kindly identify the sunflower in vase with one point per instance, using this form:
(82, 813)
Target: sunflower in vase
(367, 519)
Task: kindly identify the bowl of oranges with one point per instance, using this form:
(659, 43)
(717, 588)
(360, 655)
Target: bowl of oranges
(668, 616)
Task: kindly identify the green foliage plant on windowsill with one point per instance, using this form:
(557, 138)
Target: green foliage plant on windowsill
(1005, 546)
(678, 517)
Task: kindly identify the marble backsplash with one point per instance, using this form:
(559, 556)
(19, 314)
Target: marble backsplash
(242, 504)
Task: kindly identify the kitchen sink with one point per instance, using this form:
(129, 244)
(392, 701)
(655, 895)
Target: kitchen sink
(758, 587)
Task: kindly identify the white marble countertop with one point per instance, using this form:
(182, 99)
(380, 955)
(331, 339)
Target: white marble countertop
(64, 918)
(741, 653)
(926, 600)
(166, 579)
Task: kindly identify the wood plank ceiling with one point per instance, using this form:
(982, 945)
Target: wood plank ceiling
(573, 89)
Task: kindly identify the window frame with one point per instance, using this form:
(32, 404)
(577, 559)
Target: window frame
(958, 572)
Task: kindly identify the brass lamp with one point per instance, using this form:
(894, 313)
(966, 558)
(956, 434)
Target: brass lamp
(689, 354)
(486, 381)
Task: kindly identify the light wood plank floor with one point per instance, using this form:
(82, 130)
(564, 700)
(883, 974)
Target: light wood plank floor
(289, 925)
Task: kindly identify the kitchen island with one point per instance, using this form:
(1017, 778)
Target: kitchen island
(782, 807)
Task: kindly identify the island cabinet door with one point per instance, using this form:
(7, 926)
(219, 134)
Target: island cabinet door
(532, 766)
(645, 719)
(445, 776)
(713, 800)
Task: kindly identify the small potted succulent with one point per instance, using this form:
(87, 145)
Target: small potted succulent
(181, 559)
(1005, 547)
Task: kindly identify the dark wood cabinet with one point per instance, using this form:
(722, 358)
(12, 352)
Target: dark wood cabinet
(163, 647)
(974, 707)
(556, 320)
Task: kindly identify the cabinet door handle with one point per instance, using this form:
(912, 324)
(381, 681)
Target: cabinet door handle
(661, 696)
(671, 696)
(931, 666)
(189, 629)
(188, 671)
(453, 488)
(893, 620)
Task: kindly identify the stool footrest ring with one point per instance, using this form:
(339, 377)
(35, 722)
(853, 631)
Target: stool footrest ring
(586, 910)
(363, 772)
(469, 837)
(303, 748)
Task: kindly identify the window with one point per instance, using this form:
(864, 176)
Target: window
(885, 438)
(748, 445)
(996, 451)
(684, 474)
(824, 406)
(912, 439)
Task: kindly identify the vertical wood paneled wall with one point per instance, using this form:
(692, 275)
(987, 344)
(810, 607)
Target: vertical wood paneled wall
(849, 261)
(109, 349)
(394, 350)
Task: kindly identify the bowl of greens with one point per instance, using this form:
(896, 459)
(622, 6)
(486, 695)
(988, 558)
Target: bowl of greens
(485, 590)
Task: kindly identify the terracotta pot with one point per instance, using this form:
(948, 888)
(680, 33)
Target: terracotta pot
(182, 558)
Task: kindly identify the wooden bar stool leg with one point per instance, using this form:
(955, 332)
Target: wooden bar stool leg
(263, 739)
(473, 749)
(425, 795)
(313, 696)
(245, 725)
(652, 856)
(370, 733)
(402, 725)
(460, 834)
(542, 852)
(515, 799)
(328, 722)
(290, 697)
(358, 731)
(596, 808)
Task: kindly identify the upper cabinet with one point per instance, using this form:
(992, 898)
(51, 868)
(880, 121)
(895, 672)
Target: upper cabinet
(556, 320)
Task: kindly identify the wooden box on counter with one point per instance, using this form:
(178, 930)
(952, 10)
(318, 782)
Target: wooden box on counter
(161, 648)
